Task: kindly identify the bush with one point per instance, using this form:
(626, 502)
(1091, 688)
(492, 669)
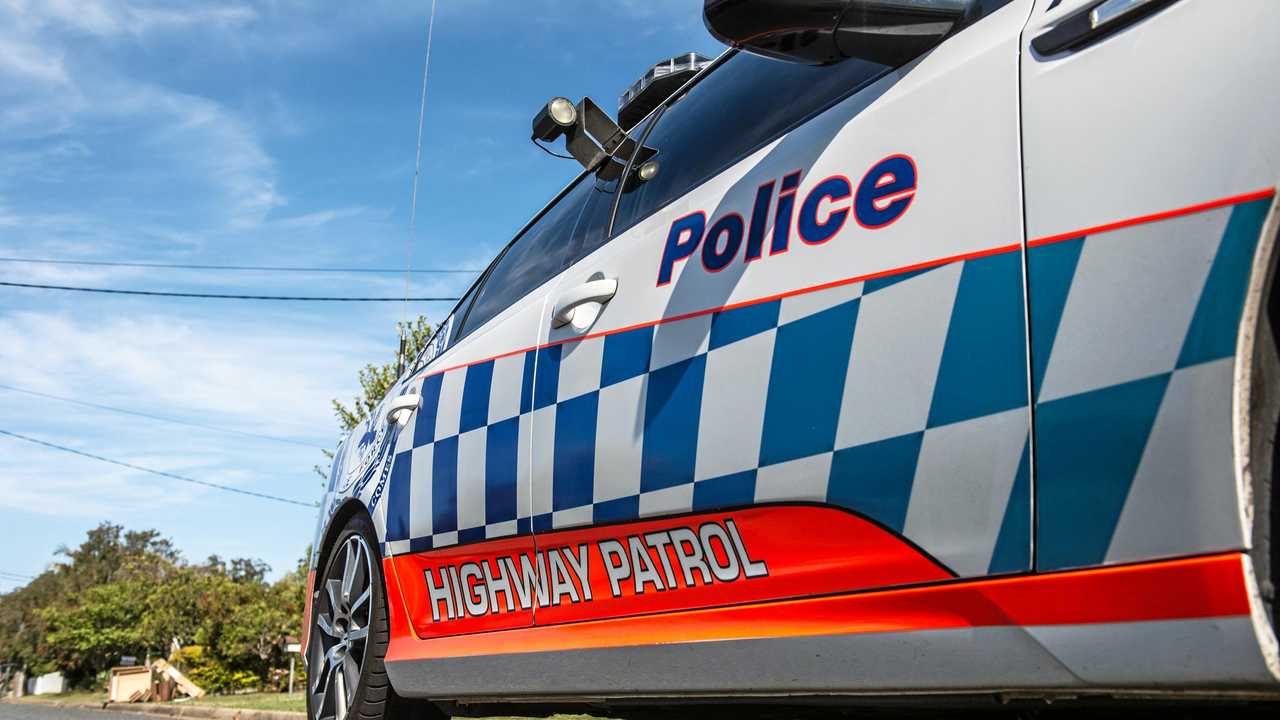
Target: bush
(212, 676)
(131, 593)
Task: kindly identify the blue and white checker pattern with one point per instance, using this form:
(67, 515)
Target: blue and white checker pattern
(903, 398)
(456, 471)
(1133, 341)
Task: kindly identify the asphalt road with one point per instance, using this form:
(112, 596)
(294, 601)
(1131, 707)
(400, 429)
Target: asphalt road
(33, 711)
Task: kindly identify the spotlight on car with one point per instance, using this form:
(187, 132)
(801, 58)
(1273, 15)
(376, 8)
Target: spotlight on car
(647, 171)
(553, 119)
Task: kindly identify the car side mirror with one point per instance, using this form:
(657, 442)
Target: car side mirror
(818, 32)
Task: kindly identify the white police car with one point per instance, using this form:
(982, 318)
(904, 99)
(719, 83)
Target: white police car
(912, 347)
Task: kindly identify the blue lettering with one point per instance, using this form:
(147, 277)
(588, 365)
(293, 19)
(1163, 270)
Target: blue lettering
(714, 258)
(814, 231)
(885, 193)
(782, 217)
(682, 240)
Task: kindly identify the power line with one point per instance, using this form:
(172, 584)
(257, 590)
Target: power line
(158, 418)
(16, 576)
(254, 268)
(161, 473)
(224, 296)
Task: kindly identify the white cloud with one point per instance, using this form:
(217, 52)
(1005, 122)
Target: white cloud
(21, 60)
(50, 105)
(318, 218)
(264, 376)
(108, 18)
(204, 137)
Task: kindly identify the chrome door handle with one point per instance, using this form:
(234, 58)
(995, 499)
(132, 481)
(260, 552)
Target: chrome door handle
(402, 408)
(597, 291)
(1093, 23)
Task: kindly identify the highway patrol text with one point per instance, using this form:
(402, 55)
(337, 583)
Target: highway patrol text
(679, 557)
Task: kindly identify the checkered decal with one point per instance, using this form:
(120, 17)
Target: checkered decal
(903, 398)
(1133, 342)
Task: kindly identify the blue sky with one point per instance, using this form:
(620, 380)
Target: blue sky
(272, 132)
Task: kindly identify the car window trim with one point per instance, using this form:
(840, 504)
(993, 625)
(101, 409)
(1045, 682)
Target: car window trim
(656, 114)
(462, 325)
(613, 211)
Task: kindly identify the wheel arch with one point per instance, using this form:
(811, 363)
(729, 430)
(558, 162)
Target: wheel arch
(334, 526)
(1256, 416)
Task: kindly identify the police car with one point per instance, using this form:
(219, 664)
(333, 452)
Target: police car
(909, 348)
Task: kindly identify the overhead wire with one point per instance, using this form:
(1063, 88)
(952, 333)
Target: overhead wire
(406, 300)
(223, 296)
(255, 268)
(158, 418)
(161, 473)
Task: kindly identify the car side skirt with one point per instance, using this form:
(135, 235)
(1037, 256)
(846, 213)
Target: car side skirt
(1180, 625)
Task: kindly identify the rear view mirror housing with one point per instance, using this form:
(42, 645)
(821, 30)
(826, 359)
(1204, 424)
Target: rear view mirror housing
(819, 32)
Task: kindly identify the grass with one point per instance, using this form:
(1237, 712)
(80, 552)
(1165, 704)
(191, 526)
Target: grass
(295, 702)
(72, 698)
(298, 702)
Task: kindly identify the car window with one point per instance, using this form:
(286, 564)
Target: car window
(983, 8)
(538, 255)
(737, 108)
(575, 227)
(592, 228)
(455, 319)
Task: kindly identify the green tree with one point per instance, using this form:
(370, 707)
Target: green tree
(376, 381)
(89, 634)
(131, 593)
(22, 629)
(107, 551)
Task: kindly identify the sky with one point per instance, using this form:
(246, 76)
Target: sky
(253, 132)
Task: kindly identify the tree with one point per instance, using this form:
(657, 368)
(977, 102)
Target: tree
(106, 550)
(22, 629)
(89, 634)
(132, 593)
(376, 381)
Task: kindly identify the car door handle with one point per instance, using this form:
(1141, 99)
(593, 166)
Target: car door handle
(402, 408)
(598, 291)
(1094, 23)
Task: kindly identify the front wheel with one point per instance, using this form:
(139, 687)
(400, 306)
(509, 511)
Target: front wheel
(349, 634)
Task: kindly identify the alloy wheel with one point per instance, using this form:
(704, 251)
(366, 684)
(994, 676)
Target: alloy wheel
(340, 631)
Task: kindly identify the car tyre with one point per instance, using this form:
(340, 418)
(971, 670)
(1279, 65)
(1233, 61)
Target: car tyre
(349, 634)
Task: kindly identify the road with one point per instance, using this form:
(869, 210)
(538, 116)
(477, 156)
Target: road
(32, 711)
(35, 711)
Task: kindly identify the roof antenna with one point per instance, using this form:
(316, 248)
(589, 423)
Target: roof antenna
(402, 361)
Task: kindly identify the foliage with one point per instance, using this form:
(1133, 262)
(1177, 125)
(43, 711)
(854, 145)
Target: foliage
(376, 381)
(204, 670)
(131, 593)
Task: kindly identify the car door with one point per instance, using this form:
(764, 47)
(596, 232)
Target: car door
(458, 505)
(1147, 186)
(811, 374)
